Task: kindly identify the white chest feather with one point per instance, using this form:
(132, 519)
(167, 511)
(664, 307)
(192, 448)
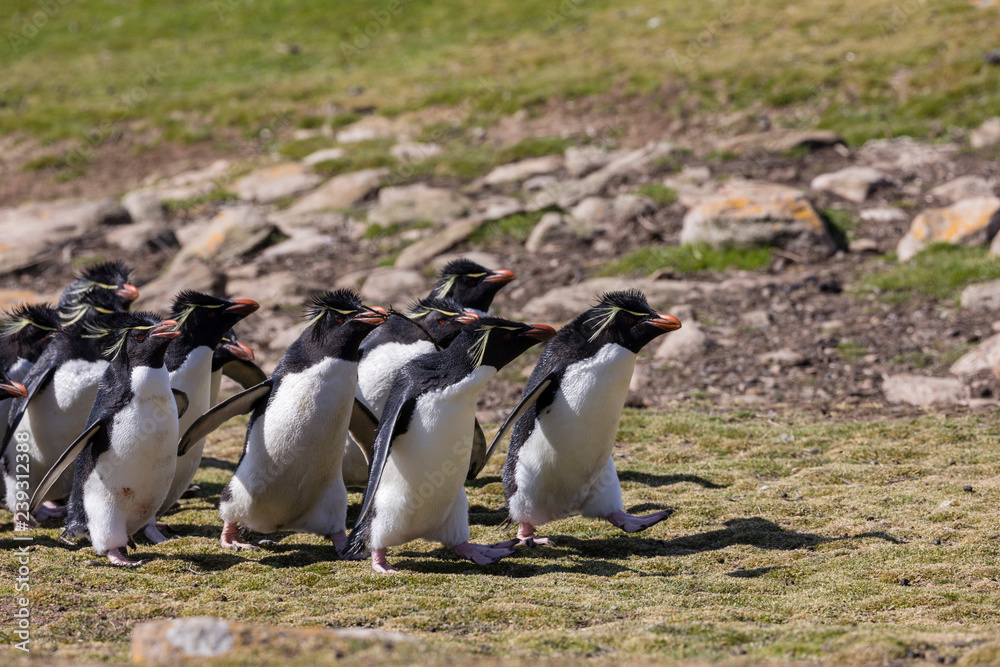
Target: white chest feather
(379, 366)
(194, 378)
(19, 369)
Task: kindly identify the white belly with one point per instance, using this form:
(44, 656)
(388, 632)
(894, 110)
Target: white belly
(295, 449)
(559, 463)
(131, 478)
(425, 475)
(378, 369)
(194, 378)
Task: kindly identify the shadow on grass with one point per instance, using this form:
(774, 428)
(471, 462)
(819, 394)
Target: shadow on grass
(481, 515)
(222, 464)
(444, 561)
(667, 480)
(756, 572)
(480, 482)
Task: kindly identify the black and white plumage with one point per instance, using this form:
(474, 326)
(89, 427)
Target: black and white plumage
(428, 324)
(289, 475)
(202, 321)
(564, 428)
(470, 284)
(234, 359)
(25, 331)
(424, 442)
(103, 288)
(124, 459)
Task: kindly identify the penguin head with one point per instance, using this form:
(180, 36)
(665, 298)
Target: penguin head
(204, 319)
(441, 319)
(494, 341)
(133, 339)
(26, 330)
(99, 289)
(625, 318)
(338, 322)
(471, 284)
(9, 388)
(230, 348)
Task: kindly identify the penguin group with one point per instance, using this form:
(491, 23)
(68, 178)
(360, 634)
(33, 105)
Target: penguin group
(109, 410)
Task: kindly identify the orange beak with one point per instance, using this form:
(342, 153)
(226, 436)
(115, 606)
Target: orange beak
(467, 317)
(128, 292)
(240, 351)
(166, 329)
(665, 322)
(14, 389)
(243, 306)
(375, 317)
(540, 332)
(501, 276)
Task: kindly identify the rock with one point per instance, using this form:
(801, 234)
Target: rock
(982, 295)
(494, 208)
(759, 214)
(144, 206)
(964, 223)
(9, 298)
(780, 141)
(783, 357)
(143, 237)
(519, 171)
(410, 203)
(271, 290)
(885, 215)
(367, 129)
(593, 212)
(536, 183)
(555, 226)
(568, 193)
(692, 184)
(302, 241)
(178, 640)
(324, 155)
(758, 319)
(411, 151)
(582, 160)
(564, 303)
(341, 191)
(983, 358)
(34, 232)
(417, 255)
(852, 183)
(235, 231)
(627, 207)
(863, 245)
(388, 286)
(986, 134)
(685, 344)
(903, 154)
(190, 273)
(278, 182)
(111, 213)
(923, 391)
(963, 187)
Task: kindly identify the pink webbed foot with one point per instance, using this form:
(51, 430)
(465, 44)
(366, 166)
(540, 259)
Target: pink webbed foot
(339, 540)
(50, 510)
(631, 523)
(526, 537)
(231, 538)
(485, 554)
(24, 521)
(118, 560)
(152, 532)
(380, 564)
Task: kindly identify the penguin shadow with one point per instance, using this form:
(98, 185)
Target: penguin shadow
(222, 464)
(666, 480)
(480, 482)
(444, 561)
(42, 541)
(756, 572)
(285, 555)
(486, 516)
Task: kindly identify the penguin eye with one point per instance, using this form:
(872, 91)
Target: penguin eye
(631, 320)
(340, 319)
(506, 336)
(140, 336)
(441, 321)
(470, 282)
(211, 313)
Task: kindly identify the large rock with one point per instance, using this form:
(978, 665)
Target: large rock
(983, 358)
(177, 641)
(963, 187)
(270, 290)
(302, 241)
(191, 273)
(853, 183)
(145, 205)
(411, 203)
(143, 236)
(986, 134)
(982, 295)
(555, 226)
(904, 155)
(924, 391)
(9, 298)
(417, 255)
(278, 182)
(582, 160)
(34, 232)
(232, 233)
(393, 286)
(752, 215)
(323, 155)
(342, 191)
(964, 223)
(692, 184)
(685, 344)
(780, 141)
(519, 171)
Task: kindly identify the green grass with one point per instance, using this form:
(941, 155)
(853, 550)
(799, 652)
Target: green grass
(688, 259)
(939, 271)
(216, 196)
(660, 194)
(94, 68)
(790, 542)
(851, 351)
(514, 228)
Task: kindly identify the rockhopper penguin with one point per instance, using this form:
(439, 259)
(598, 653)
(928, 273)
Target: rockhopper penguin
(424, 442)
(289, 474)
(560, 461)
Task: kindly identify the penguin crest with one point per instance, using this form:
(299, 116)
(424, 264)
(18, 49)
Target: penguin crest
(116, 327)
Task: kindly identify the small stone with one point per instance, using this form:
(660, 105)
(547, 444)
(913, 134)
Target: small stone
(234, 232)
(626, 208)
(920, 390)
(885, 215)
(519, 171)
(324, 155)
(758, 319)
(581, 160)
(967, 488)
(144, 206)
(412, 151)
(904, 582)
(937, 542)
(143, 237)
(985, 295)
(863, 245)
(964, 223)
(411, 203)
(594, 212)
(852, 183)
(983, 358)
(277, 182)
(986, 134)
(685, 344)
(536, 183)
(963, 187)
(555, 226)
(780, 141)
(784, 357)
(388, 285)
(341, 191)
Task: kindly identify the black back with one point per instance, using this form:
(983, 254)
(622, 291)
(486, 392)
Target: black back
(470, 284)
(203, 320)
(25, 332)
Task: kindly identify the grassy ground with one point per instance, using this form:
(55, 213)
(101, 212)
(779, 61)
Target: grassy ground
(794, 540)
(185, 68)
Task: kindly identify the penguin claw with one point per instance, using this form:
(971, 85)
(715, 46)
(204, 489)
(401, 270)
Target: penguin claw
(339, 540)
(118, 560)
(380, 564)
(482, 554)
(526, 537)
(27, 524)
(50, 510)
(633, 524)
(231, 539)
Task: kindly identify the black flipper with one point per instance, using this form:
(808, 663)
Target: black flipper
(526, 402)
(181, 399)
(245, 373)
(240, 404)
(65, 461)
(20, 405)
(395, 421)
(480, 455)
(362, 428)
